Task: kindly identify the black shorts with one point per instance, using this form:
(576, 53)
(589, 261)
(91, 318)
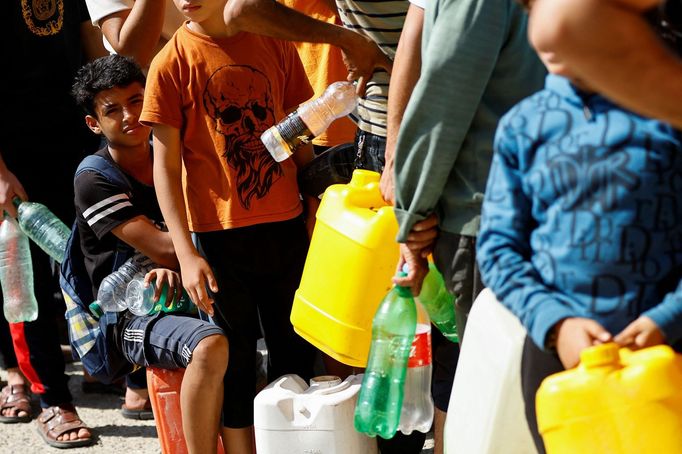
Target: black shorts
(162, 340)
(258, 269)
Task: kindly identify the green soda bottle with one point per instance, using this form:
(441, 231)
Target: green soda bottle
(377, 411)
(439, 303)
(140, 299)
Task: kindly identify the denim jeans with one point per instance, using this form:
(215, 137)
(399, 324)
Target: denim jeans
(369, 151)
(333, 166)
(336, 164)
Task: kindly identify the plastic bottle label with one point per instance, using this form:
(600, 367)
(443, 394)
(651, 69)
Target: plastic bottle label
(420, 351)
(293, 130)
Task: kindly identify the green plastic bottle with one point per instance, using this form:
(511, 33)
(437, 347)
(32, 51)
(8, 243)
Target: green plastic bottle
(140, 299)
(439, 303)
(377, 411)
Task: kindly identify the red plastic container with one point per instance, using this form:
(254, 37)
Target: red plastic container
(164, 394)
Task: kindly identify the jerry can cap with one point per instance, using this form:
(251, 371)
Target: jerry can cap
(325, 381)
(600, 355)
(362, 177)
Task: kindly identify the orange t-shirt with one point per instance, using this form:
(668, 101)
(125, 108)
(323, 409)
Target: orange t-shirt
(223, 93)
(324, 65)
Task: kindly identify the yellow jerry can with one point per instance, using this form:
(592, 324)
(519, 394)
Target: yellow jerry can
(352, 258)
(615, 401)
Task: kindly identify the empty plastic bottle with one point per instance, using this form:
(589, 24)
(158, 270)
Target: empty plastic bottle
(43, 227)
(439, 303)
(16, 274)
(417, 411)
(381, 396)
(140, 299)
(310, 120)
(112, 290)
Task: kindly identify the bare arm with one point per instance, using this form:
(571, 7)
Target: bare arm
(267, 17)
(331, 4)
(91, 37)
(406, 68)
(136, 32)
(609, 46)
(195, 271)
(144, 236)
(9, 188)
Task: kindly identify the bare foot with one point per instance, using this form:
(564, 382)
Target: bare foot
(136, 398)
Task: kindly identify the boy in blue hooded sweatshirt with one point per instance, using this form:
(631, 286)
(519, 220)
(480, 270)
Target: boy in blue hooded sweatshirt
(581, 232)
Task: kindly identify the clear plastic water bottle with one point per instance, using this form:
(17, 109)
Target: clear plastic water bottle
(16, 274)
(439, 303)
(140, 299)
(310, 120)
(417, 411)
(43, 227)
(111, 295)
(381, 396)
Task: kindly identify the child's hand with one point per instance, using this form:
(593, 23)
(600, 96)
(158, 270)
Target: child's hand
(575, 334)
(641, 333)
(196, 273)
(164, 276)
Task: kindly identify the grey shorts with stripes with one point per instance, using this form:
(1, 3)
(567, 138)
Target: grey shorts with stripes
(162, 340)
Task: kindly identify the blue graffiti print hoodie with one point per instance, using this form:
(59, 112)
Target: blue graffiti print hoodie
(583, 214)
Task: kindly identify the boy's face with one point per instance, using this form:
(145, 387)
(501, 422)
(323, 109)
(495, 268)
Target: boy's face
(117, 115)
(200, 10)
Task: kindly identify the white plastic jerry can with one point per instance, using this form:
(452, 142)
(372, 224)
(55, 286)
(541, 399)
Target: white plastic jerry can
(291, 417)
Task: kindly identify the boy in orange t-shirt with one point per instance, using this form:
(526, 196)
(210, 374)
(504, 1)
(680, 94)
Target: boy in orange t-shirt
(211, 92)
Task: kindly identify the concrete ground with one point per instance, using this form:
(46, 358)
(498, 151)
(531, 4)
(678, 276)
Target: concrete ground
(116, 435)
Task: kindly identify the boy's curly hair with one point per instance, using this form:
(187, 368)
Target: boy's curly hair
(103, 74)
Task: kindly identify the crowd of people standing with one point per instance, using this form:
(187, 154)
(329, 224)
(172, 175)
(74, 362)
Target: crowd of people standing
(527, 146)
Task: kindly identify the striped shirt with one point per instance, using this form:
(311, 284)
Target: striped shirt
(382, 21)
(101, 206)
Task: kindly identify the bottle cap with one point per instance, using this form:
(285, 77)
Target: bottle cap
(402, 290)
(96, 309)
(16, 201)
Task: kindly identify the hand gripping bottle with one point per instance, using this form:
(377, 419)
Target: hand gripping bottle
(140, 300)
(111, 295)
(16, 274)
(43, 227)
(439, 303)
(417, 411)
(310, 120)
(381, 395)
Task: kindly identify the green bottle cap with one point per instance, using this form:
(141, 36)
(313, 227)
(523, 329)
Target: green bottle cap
(403, 291)
(96, 309)
(16, 201)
